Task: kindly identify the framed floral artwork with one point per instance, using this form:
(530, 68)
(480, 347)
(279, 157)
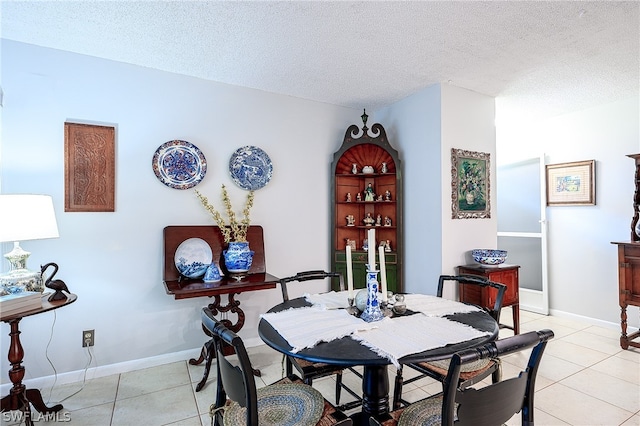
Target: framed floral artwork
(571, 184)
(470, 185)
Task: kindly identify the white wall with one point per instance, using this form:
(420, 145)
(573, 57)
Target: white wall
(467, 123)
(583, 272)
(112, 261)
(413, 128)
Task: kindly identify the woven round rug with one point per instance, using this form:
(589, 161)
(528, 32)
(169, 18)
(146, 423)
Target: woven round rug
(422, 413)
(281, 405)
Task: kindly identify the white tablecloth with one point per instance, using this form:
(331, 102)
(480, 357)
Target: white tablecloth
(390, 338)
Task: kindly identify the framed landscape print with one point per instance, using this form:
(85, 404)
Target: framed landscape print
(470, 185)
(571, 184)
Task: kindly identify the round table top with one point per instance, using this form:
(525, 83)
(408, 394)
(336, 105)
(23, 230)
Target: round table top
(346, 351)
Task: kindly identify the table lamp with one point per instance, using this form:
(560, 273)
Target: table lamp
(24, 217)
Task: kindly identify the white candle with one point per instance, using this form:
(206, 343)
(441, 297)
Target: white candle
(383, 273)
(349, 272)
(371, 238)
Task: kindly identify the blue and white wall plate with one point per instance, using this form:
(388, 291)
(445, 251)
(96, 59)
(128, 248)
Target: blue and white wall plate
(179, 164)
(193, 257)
(250, 168)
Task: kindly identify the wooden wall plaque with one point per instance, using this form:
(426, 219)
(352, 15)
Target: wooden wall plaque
(89, 168)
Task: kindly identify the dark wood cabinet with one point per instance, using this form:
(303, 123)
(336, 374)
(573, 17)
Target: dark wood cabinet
(367, 160)
(486, 297)
(629, 287)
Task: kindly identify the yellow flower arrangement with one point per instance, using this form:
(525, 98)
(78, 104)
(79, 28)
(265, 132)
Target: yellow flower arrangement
(236, 231)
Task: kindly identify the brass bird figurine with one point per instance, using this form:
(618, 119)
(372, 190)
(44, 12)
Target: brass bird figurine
(57, 285)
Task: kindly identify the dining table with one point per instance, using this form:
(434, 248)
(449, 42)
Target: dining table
(465, 326)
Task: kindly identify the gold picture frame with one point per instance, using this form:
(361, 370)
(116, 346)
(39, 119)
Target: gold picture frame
(470, 184)
(571, 184)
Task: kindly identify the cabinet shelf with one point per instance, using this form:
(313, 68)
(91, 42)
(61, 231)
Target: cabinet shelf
(366, 147)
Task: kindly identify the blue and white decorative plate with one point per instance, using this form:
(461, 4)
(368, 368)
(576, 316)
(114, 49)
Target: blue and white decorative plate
(179, 164)
(193, 257)
(250, 168)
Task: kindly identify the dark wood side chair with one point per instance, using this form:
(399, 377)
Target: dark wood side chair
(471, 373)
(313, 370)
(288, 401)
(491, 405)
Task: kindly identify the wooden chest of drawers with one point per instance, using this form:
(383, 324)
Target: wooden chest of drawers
(503, 274)
(629, 287)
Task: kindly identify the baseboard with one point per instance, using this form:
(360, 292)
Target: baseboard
(593, 321)
(117, 368)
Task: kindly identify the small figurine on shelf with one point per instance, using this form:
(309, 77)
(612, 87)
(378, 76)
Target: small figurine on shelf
(354, 169)
(387, 221)
(368, 220)
(350, 220)
(380, 197)
(379, 220)
(358, 197)
(387, 246)
(365, 244)
(369, 194)
(387, 195)
(383, 168)
(348, 197)
(350, 242)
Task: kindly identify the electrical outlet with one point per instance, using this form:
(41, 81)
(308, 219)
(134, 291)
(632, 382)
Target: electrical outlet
(88, 338)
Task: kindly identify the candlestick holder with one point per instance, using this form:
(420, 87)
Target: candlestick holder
(372, 312)
(352, 310)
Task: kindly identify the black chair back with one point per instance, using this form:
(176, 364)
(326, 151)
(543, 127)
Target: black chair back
(234, 381)
(478, 281)
(496, 403)
(308, 276)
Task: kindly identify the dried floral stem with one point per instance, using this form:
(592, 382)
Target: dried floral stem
(237, 231)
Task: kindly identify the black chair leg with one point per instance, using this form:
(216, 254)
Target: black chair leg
(397, 389)
(338, 387)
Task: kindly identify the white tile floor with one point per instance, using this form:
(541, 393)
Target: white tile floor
(585, 379)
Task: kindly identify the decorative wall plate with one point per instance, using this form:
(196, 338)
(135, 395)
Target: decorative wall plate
(250, 168)
(193, 257)
(179, 164)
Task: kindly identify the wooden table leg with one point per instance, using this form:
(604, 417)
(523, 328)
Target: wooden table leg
(375, 395)
(515, 309)
(21, 398)
(208, 352)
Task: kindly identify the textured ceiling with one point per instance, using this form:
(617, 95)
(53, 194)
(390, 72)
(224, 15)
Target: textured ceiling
(537, 58)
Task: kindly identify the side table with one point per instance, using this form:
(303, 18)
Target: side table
(503, 274)
(20, 397)
(628, 288)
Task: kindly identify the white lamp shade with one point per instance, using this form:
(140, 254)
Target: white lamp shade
(27, 217)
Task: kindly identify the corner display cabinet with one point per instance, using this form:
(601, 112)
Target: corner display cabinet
(367, 193)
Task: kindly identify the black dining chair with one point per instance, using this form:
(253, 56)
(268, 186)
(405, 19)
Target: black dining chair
(472, 372)
(308, 370)
(289, 401)
(489, 405)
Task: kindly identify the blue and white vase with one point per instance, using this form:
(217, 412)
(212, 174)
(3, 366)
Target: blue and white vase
(238, 257)
(372, 311)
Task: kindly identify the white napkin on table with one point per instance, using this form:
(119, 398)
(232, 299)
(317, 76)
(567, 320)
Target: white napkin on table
(434, 306)
(395, 338)
(305, 327)
(330, 300)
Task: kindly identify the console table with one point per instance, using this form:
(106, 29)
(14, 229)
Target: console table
(503, 274)
(20, 397)
(183, 288)
(629, 287)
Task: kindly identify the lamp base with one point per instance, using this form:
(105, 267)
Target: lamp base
(19, 278)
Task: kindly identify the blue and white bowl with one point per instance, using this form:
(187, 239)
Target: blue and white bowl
(489, 257)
